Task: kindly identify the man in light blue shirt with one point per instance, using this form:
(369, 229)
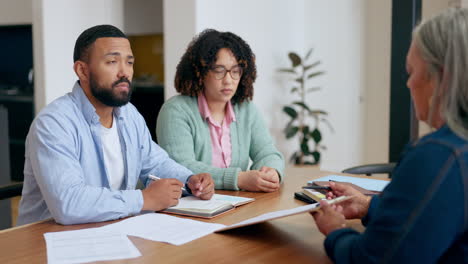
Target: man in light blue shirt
(86, 150)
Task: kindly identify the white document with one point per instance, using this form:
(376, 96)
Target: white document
(197, 203)
(271, 216)
(369, 184)
(282, 213)
(217, 201)
(234, 200)
(163, 228)
(87, 245)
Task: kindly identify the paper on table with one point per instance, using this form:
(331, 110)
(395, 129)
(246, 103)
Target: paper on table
(369, 184)
(271, 216)
(164, 228)
(86, 245)
(195, 202)
(282, 213)
(234, 200)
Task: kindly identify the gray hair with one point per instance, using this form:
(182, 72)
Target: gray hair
(443, 43)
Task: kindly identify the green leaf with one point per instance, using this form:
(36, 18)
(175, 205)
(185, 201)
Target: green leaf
(305, 131)
(310, 163)
(295, 59)
(294, 89)
(316, 135)
(312, 65)
(293, 158)
(287, 70)
(298, 158)
(315, 74)
(308, 54)
(313, 89)
(301, 104)
(291, 131)
(316, 156)
(299, 80)
(305, 148)
(290, 111)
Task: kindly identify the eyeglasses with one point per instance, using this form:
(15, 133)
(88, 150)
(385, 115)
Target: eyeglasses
(220, 72)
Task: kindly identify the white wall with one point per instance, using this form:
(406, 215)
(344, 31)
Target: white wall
(376, 99)
(337, 31)
(179, 29)
(14, 12)
(57, 25)
(432, 7)
(143, 17)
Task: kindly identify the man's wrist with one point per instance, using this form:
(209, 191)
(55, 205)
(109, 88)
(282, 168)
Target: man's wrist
(187, 188)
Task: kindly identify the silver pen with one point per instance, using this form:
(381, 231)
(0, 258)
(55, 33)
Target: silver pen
(155, 178)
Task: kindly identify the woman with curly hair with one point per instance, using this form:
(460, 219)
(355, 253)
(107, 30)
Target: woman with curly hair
(213, 126)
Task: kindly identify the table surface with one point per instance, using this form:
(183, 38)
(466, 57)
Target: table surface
(295, 239)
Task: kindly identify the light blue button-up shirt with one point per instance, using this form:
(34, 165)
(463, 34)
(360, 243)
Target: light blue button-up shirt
(64, 172)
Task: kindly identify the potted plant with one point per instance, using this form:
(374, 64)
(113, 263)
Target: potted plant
(305, 122)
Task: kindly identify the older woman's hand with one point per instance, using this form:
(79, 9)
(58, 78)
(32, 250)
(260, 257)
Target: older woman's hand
(329, 218)
(356, 207)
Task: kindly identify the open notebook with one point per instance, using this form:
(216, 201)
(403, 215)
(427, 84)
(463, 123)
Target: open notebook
(193, 206)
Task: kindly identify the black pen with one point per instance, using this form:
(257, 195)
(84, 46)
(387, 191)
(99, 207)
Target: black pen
(316, 187)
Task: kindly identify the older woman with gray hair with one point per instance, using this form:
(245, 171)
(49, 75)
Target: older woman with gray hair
(422, 215)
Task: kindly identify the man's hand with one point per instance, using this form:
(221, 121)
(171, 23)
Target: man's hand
(354, 208)
(201, 185)
(264, 180)
(161, 194)
(329, 218)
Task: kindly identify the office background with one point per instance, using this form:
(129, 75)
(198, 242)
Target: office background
(352, 38)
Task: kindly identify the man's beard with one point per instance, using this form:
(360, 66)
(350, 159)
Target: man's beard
(107, 96)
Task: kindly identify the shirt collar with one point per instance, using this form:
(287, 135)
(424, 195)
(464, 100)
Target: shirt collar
(88, 110)
(230, 115)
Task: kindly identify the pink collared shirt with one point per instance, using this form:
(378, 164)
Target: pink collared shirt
(220, 134)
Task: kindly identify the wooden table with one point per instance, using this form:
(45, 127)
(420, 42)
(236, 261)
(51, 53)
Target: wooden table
(293, 239)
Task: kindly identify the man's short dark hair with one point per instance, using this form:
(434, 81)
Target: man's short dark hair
(89, 36)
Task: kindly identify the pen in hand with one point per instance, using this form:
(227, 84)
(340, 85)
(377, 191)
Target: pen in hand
(155, 178)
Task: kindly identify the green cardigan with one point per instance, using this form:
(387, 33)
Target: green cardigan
(183, 133)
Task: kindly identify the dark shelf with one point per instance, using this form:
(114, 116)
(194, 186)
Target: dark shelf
(20, 109)
(148, 100)
(17, 141)
(17, 98)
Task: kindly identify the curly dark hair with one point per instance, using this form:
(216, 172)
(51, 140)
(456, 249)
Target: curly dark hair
(200, 56)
